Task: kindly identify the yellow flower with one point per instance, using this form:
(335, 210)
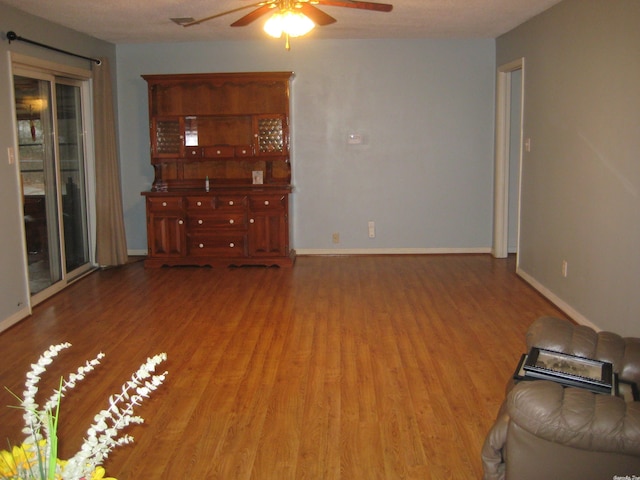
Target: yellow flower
(23, 460)
(19, 458)
(7, 463)
(98, 474)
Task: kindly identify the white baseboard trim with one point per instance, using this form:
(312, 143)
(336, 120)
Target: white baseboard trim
(15, 318)
(557, 301)
(365, 251)
(389, 251)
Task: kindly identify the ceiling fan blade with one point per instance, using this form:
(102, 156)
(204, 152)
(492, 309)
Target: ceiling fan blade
(315, 14)
(378, 7)
(252, 16)
(201, 20)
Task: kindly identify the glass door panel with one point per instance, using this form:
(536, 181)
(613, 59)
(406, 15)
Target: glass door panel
(36, 152)
(72, 173)
(52, 160)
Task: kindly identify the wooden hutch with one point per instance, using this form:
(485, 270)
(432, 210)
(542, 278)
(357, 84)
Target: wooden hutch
(220, 154)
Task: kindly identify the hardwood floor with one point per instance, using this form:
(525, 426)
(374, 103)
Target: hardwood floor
(363, 367)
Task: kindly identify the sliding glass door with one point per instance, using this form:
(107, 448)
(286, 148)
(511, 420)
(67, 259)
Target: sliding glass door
(72, 169)
(51, 153)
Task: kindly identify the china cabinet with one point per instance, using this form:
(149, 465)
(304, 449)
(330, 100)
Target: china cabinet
(222, 172)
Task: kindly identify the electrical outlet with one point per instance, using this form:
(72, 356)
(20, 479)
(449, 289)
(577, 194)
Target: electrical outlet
(336, 237)
(565, 268)
(372, 229)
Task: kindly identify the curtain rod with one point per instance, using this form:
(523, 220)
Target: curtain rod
(11, 36)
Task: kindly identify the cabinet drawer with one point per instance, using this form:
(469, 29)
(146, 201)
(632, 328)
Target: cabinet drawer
(202, 204)
(193, 152)
(164, 204)
(219, 151)
(217, 245)
(267, 202)
(243, 150)
(231, 202)
(203, 222)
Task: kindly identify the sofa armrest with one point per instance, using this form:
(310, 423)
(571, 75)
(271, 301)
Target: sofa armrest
(492, 450)
(576, 417)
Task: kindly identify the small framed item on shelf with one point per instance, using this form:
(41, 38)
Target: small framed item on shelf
(570, 370)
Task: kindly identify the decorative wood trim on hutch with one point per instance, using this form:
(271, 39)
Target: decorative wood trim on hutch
(222, 171)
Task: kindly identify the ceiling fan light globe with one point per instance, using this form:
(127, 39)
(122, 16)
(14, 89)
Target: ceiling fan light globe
(293, 23)
(274, 25)
(297, 24)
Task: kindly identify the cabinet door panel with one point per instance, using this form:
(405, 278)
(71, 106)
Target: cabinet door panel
(268, 235)
(166, 235)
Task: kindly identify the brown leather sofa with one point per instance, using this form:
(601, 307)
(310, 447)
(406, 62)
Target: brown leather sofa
(547, 431)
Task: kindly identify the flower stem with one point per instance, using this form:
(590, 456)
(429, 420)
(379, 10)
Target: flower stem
(53, 436)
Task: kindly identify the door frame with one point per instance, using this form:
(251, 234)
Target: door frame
(47, 70)
(500, 246)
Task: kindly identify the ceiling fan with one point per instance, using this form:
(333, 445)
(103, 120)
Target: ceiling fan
(293, 18)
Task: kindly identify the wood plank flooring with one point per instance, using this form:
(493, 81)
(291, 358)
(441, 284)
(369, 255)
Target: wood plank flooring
(341, 368)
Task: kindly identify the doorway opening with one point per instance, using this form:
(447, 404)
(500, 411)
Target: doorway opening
(508, 158)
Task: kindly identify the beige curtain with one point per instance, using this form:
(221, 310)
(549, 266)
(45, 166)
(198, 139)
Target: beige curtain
(111, 243)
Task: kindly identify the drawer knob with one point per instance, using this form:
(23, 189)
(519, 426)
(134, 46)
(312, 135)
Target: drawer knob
(218, 152)
(164, 204)
(199, 204)
(251, 220)
(200, 222)
(231, 221)
(244, 152)
(230, 202)
(232, 244)
(201, 245)
(180, 222)
(193, 152)
(266, 202)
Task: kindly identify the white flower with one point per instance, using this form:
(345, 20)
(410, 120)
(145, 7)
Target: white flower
(102, 436)
(105, 433)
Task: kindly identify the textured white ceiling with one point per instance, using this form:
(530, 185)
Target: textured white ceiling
(142, 21)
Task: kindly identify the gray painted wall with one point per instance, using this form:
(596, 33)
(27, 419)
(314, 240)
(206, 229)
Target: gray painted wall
(581, 180)
(14, 293)
(424, 108)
